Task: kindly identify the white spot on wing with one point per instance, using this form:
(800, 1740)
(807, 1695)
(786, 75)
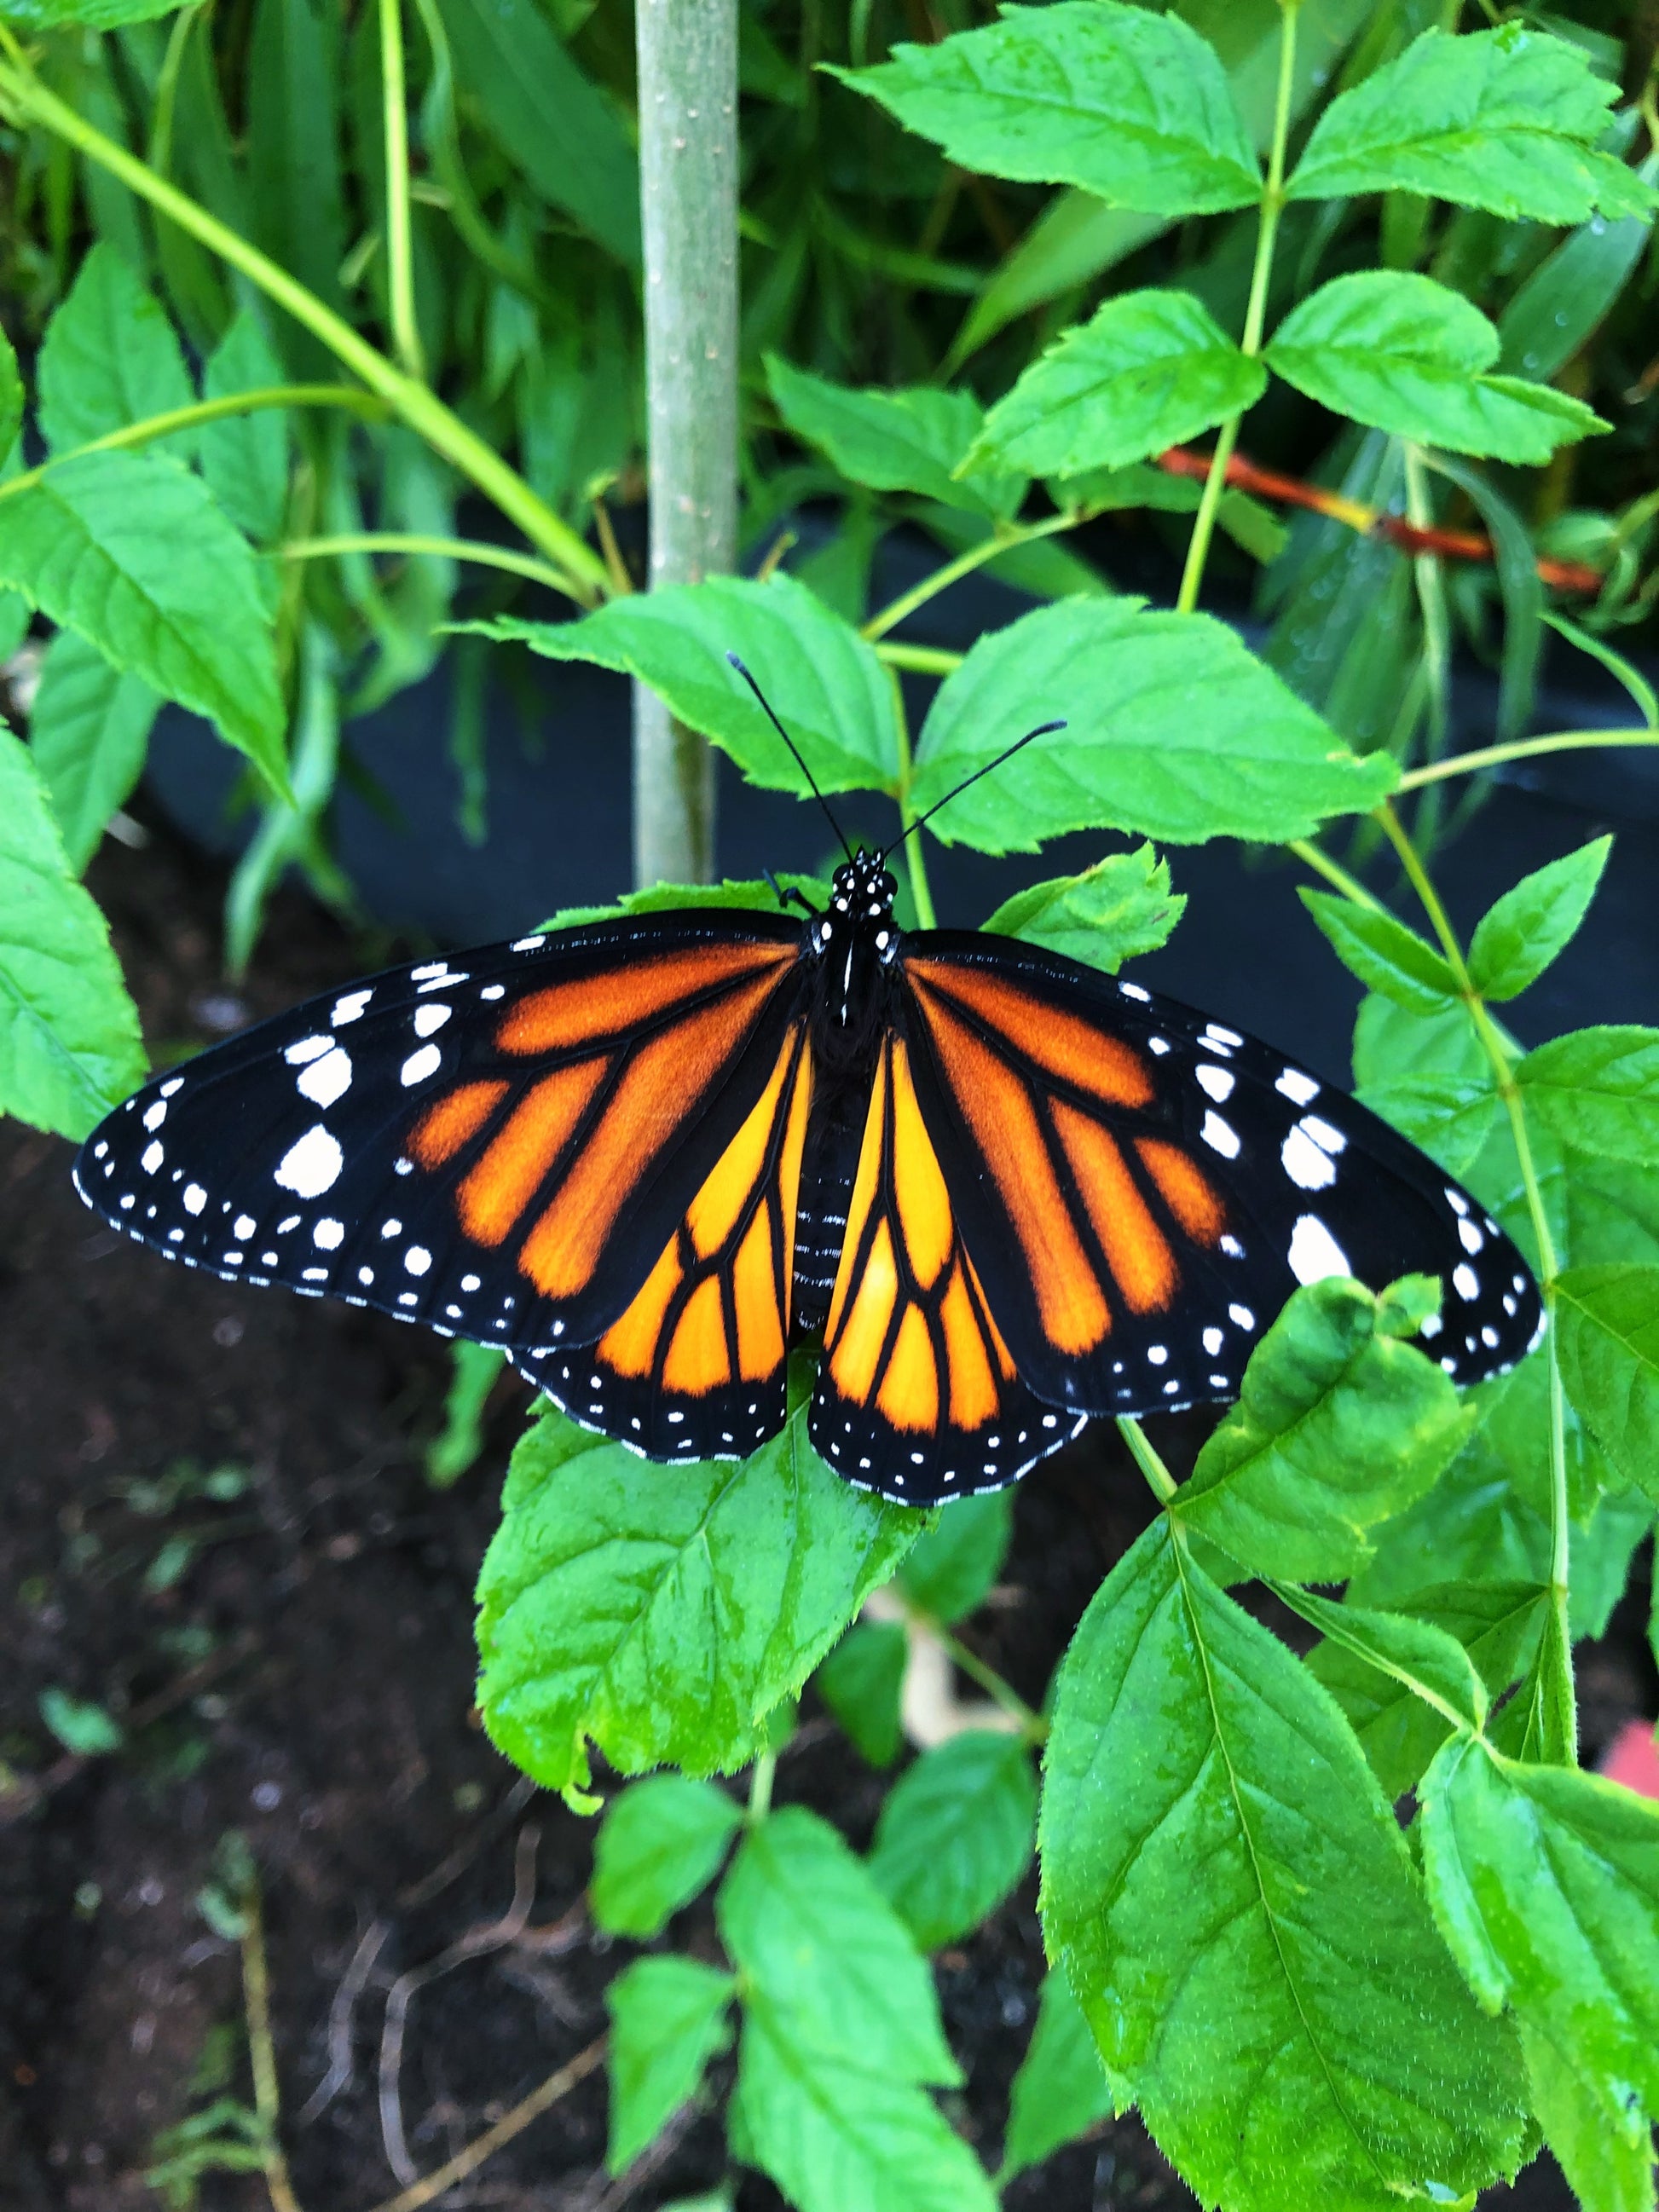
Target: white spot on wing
(429, 1018)
(1465, 1282)
(195, 1198)
(1304, 1162)
(349, 1008)
(177, 1084)
(243, 1227)
(307, 1049)
(152, 1156)
(312, 1165)
(421, 1064)
(1218, 1082)
(330, 1234)
(1220, 1136)
(1213, 1341)
(1314, 1253)
(1301, 1089)
(327, 1078)
(1469, 1237)
(155, 1115)
(417, 1258)
(1134, 991)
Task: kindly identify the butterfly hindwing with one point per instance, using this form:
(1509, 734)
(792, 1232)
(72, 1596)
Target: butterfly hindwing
(1141, 1189)
(695, 1366)
(499, 1145)
(917, 1393)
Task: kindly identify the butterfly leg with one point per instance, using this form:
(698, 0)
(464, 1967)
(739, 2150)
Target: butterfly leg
(794, 896)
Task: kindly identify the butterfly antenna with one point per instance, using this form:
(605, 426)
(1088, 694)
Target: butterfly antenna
(793, 748)
(1043, 729)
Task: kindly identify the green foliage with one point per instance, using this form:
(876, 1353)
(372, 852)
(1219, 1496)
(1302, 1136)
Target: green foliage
(667, 2021)
(1151, 369)
(1406, 354)
(1518, 938)
(661, 1842)
(1172, 730)
(1113, 912)
(916, 441)
(109, 357)
(1598, 1090)
(79, 1724)
(1132, 107)
(475, 1370)
(955, 1834)
(949, 1569)
(1060, 2092)
(663, 1616)
(1608, 1320)
(1341, 1424)
(1384, 953)
(88, 733)
(68, 1034)
(861, 1681)
(1356, 2066)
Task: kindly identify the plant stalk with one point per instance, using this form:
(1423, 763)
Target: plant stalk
(1255, 314)
(400, 265)
(449, 549)
(688, 79)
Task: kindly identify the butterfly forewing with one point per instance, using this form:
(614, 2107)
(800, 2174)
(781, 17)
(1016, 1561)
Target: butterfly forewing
(918, 1395)
(499, 1145)
(1141, 1188)
(695, 1366)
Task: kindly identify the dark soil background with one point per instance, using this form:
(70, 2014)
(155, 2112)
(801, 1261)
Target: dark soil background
(304, 1677)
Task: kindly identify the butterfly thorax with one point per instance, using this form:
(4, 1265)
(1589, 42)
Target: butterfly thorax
(851, 946)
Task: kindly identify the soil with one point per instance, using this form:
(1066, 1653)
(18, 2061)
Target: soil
(217, 1526)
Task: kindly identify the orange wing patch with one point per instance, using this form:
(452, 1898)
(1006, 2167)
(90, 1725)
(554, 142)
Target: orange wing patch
(589, 1009)
(1057, 1042)
(914, 1368)
(713, 1316)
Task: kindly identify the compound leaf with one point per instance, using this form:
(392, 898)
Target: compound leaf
(1606, 1322)
(907, 441)
(1384, 953)
(660, 1843)
(667, 2021)
(88, 731)
(1597, 1090)
(109, 357)
(1515, 941)
(954, 1838)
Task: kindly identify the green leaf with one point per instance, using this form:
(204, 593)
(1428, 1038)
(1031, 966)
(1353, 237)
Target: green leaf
(1338, 1426)
(1598, 1090)
(1425, 1662)
(109, 356)
(664, 898)
(1060, 2092)
(1560, 306)
(1518, 938)
(474, 1371)
(80, 1725)
(1544, 1882)
(661, 1842)
(950, 1569)
(1382, 952)
(1606, 2173)
(955, 1834)
(911, 441)
(69, 1046)
(1449, 1117)
(134, 555)
(1391, 1041)
(1496, 1624)
(837, 2134)
(1041, 566)
(1398, 350)
(11, 399)
(93, 16)
(824, 682)
(1149, 370)
(1289, 2024)
(665, 1617)
(817, 1943)
(245, 457)
(1113, 912)
(1505, 120)
(1520, 589)
(294, 175)
(1607, 1324)
(861, 1681)
(88, 731)
(1132, 107)
(551, 120)
(1172, 730)
(667, 2021)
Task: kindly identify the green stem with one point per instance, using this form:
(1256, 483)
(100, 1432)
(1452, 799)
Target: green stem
(30, 101)
(921, 660)
(1000, 540)
(1431, 582)
(1032, 1726)
(1146, 1459)
(760, 1788)
(1255, 314)
(1510, 1091)
(1333, 873)
(449, 549)
(200, 412)
(400, 265)
(1562, 741)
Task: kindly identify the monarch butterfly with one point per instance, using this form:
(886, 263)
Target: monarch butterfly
(648, 1156)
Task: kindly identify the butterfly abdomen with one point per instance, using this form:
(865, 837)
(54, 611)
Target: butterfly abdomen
(828, 1167)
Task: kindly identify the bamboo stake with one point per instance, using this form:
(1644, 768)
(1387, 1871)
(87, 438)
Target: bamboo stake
(688, 74)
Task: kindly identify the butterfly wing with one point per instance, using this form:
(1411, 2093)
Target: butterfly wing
(499, 1145)
(1141, 1188)
(695, 1366)
(918, 1395)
